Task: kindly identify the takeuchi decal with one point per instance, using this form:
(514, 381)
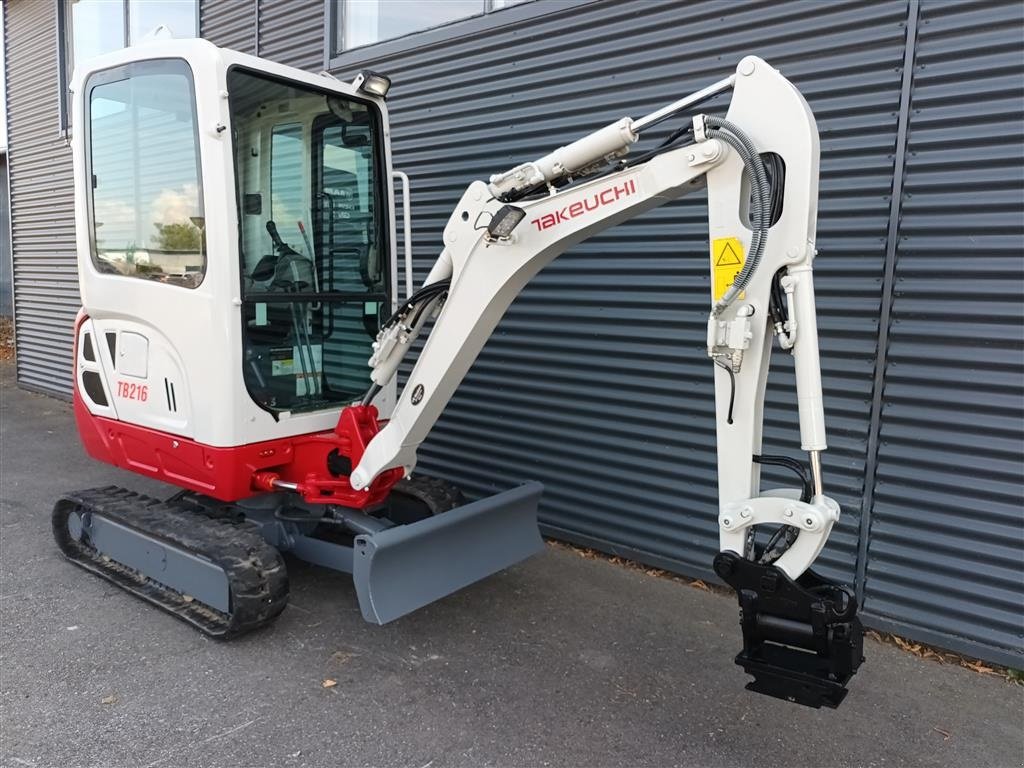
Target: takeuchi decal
(606, 196)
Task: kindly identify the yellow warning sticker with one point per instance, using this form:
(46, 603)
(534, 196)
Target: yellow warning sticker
(726, 262)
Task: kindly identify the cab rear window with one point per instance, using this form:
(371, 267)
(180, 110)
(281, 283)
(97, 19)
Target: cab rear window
(146, 202)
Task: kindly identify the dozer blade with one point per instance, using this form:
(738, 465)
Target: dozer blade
(407, 567)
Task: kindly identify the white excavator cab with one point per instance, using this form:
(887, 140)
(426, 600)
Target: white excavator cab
(236, 228)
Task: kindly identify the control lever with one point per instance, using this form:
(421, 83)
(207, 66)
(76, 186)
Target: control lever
(279, 245)
(802, 640)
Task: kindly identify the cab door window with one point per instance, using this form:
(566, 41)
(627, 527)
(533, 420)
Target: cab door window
(309, 173)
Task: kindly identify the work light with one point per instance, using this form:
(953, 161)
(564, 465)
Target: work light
(504, 221)
(372, 83)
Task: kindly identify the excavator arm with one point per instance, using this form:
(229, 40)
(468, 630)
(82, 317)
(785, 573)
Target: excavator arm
(760, 166)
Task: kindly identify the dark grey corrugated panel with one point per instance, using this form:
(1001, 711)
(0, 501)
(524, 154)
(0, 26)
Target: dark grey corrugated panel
(229, 23)
(947, 527)
(596, 382)
(292, 32)
(6, 295)
(42, 194)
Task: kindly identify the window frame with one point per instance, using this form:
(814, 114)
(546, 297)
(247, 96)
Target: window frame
(104, 77)
(336, 58)
(338, 7)
(379, 194)
(66, 56)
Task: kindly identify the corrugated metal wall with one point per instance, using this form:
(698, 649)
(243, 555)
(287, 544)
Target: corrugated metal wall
(293, 31)
(42, 194)
(6, 295)
(596, 382)
(290, 31)
(945, 554)
(229, 23)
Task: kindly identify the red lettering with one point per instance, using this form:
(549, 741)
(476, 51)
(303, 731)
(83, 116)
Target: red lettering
(589, 203)
(130, 391)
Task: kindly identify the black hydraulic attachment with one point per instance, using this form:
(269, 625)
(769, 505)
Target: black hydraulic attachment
(802, 640)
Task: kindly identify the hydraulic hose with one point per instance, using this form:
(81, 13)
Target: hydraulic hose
(426, 293)
(760, 203)
(420, 304)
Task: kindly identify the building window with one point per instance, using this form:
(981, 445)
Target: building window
(92, 27)
(146, 201)
(364, 22)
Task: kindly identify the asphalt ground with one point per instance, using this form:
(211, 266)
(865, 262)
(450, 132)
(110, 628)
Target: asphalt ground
(561, 660)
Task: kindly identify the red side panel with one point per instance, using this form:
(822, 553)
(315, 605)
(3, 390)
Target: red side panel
(224, 473)
(237, 472)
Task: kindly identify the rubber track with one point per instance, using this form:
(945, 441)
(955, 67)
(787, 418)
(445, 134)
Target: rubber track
(257, 578)
(435, 494)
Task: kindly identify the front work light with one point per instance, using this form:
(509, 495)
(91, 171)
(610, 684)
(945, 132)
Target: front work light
(504, 221)
(372, 83)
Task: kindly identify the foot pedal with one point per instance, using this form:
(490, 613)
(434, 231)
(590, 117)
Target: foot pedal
(802, 640)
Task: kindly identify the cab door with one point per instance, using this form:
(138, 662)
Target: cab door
(143, 274)
(315, 230)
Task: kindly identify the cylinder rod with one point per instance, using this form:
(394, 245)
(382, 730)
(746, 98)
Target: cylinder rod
(678, 106)
(816, 473)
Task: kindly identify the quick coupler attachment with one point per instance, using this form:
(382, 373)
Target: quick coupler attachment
(802, 640)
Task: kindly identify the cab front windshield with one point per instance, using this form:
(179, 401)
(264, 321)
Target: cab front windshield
(312, 243)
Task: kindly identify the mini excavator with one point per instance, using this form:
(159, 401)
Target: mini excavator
(237, 252)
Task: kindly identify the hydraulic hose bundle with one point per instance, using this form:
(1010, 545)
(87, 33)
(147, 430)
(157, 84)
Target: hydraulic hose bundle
(424, 295)
(415, 308)
(760, 201)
